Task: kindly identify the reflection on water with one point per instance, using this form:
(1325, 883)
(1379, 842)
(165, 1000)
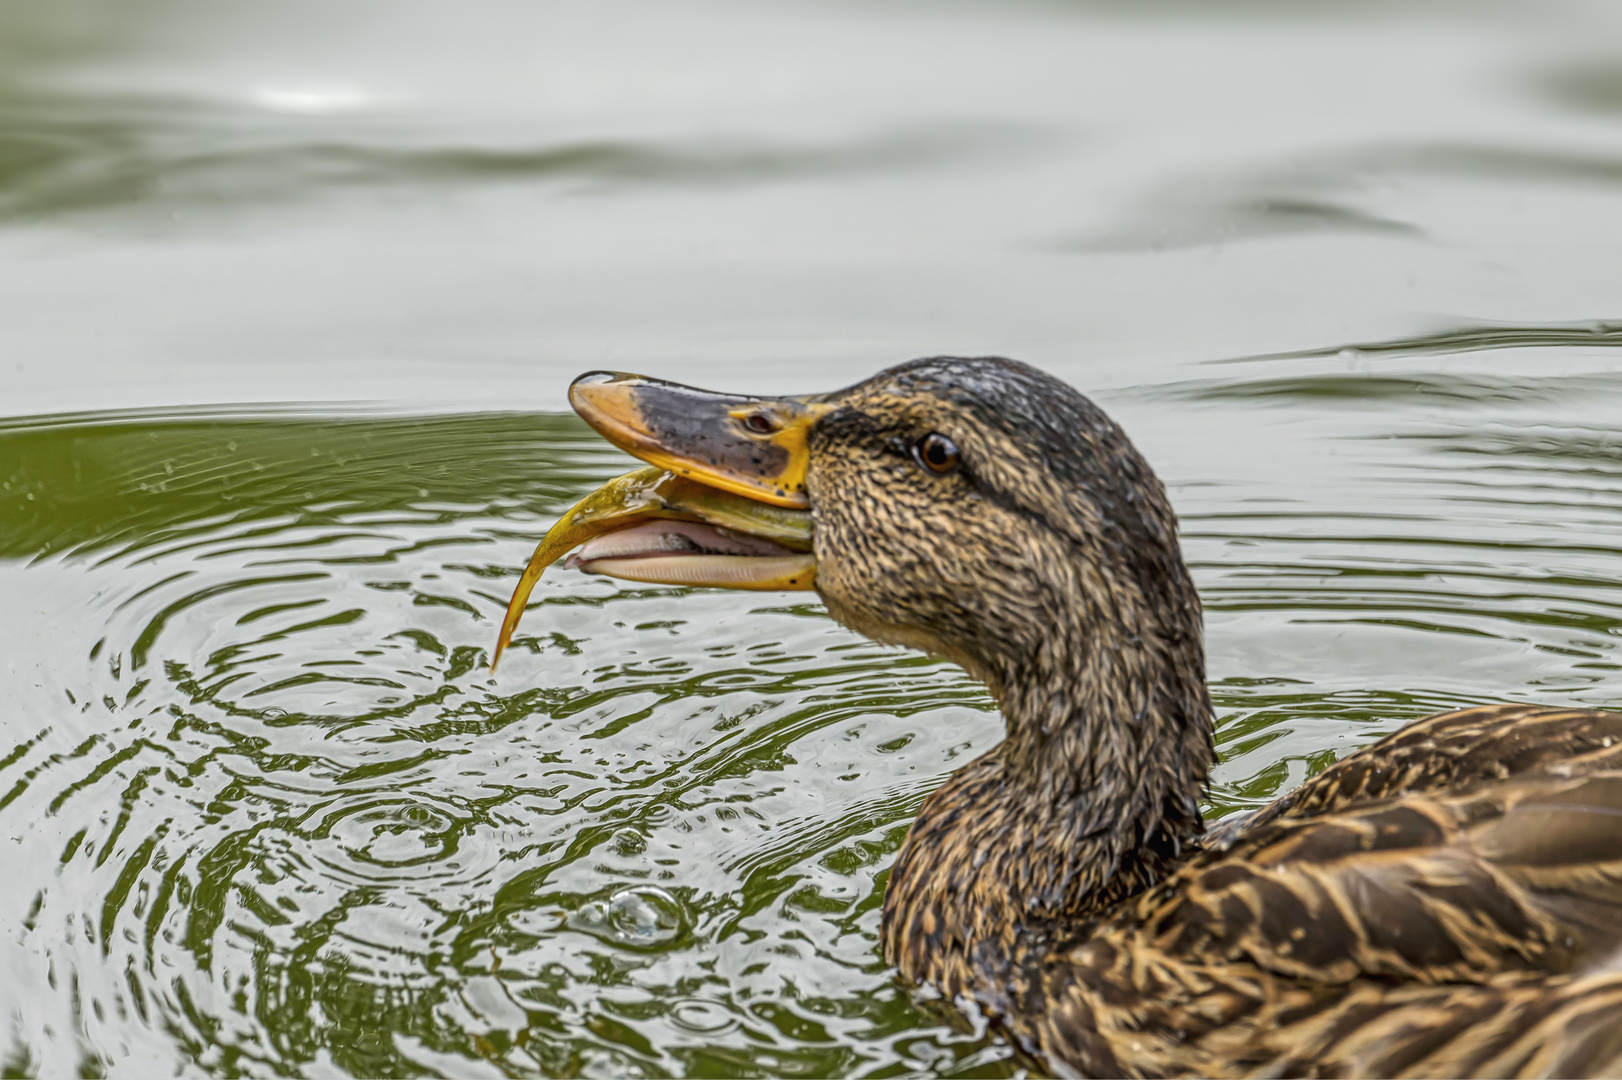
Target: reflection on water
(288, 818)
(1344, 271)
(1597, 334)
(1587, 84)
(70, 156)
(226, 202)
(271, 813)
(1317, 192)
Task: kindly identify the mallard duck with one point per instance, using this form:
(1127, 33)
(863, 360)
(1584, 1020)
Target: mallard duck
(1444, 902)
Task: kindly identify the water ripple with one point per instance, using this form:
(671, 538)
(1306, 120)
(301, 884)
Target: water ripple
(272, 814)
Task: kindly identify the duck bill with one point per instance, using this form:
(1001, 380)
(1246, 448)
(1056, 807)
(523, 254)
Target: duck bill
(722, 502)
(753, 447)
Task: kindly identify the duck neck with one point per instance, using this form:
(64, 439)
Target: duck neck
(1092, 797)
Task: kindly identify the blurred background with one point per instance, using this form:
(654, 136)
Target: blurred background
(290, 295)
(467, 204)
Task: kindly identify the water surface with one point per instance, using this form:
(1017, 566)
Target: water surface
(1346, 276)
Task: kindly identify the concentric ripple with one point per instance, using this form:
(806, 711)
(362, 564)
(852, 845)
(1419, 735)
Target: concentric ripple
(279, 818)
(268, 813)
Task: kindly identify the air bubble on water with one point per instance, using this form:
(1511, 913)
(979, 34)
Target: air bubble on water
(629, 842)
(641, 917)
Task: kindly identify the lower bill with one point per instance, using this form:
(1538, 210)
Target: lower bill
(653, 526)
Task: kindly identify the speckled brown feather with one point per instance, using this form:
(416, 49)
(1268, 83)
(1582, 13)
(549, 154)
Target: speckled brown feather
(1446, 902)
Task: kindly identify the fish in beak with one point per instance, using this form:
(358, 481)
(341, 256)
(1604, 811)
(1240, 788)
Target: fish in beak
(722, 501)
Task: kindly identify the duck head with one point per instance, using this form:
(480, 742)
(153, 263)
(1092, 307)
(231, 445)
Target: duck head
(982, 511)
(977, 509)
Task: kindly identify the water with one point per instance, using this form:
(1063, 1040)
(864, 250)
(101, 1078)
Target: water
(1347, 276)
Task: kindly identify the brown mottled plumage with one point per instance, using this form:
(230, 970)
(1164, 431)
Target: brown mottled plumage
(1446, 902)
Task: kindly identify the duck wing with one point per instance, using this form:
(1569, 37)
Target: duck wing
(1447, 902)
(1452, 751)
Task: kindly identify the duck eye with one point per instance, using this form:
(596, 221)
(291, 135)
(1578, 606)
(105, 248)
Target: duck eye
(937, 453)
(759, 424)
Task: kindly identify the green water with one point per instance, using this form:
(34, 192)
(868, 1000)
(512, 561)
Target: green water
(287, 818)
(271, 814)
(289, 297)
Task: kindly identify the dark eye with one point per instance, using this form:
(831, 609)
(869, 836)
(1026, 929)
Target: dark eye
(759, 423)
(937, 453)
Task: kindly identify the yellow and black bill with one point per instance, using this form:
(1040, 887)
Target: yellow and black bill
(722, 502)
(754, 447)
